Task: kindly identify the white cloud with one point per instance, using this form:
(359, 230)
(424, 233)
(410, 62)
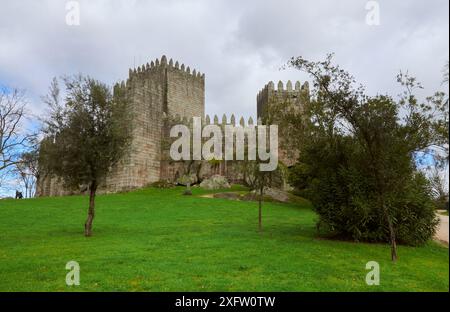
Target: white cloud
(239, 45)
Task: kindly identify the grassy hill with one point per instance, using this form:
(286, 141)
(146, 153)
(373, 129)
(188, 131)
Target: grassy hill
(160, 240)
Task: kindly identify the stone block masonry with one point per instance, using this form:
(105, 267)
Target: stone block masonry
(269, 95)
(155, 91)
(289, 96)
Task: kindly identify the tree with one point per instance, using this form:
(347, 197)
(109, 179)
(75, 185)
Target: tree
(13, 138)
(28, 171)
(259, 181)
(85, 136)
(357, 152)
(438, 187)
(262, 180)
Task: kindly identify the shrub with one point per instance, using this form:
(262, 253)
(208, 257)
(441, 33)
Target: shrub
(344, 198)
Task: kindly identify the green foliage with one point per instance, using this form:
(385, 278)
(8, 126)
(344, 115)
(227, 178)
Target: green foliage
(345, 198)
(415, 215)
(214, 161)
(356, 157)
(87, 134)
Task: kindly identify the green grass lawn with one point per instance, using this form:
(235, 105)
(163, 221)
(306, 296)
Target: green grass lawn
(160, 240)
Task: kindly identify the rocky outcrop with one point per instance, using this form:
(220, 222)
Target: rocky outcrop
(185, 179)
(215, 182)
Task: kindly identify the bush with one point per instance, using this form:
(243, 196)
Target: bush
(416, 216)
(357, 151)
(441, 202)
(347, 205)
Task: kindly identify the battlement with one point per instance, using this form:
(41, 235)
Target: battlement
(165, 92)
(158, 65)
(215, 120)
(290, 93)
(172, 88)
(270, 88)
(157, 90)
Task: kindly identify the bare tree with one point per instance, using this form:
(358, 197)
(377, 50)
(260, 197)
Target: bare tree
(13, 139)
(28, 172)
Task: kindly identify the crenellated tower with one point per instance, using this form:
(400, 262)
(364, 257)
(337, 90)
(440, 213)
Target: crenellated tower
(161, 91)
(293, 95)
(156, 89)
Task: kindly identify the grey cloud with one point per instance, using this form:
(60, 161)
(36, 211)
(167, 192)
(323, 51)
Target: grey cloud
(239, 45)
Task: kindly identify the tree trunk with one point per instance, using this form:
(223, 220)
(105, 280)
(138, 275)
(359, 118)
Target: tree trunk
(260, 212)
(91, 211)
(393, 240)
(391, 235)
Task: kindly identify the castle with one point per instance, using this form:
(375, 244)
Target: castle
(156, 90)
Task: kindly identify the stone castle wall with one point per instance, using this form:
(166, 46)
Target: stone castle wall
(158, 90)
(269, 95)
(172, 170)
(285, 96)
(185, 91)
(154, 90)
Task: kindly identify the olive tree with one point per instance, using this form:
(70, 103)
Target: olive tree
(85, 135)
(357, 156)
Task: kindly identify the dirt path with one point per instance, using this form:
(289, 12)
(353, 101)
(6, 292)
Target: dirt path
(442, 232)
(207, 195)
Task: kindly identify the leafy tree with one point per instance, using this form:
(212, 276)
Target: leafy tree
(356, 160)
(259, 181)
(262, 180)
(438, 186)
(86, 135)
(439, 166)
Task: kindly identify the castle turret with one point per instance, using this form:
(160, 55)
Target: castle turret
(161, 88)
(268, 96)
(271, 95)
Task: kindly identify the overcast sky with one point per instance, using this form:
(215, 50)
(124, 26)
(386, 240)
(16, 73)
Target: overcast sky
(239, 45)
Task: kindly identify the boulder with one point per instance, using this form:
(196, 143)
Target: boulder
(277, 194)
(269, 194)
(215, 182)
(187, 178)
